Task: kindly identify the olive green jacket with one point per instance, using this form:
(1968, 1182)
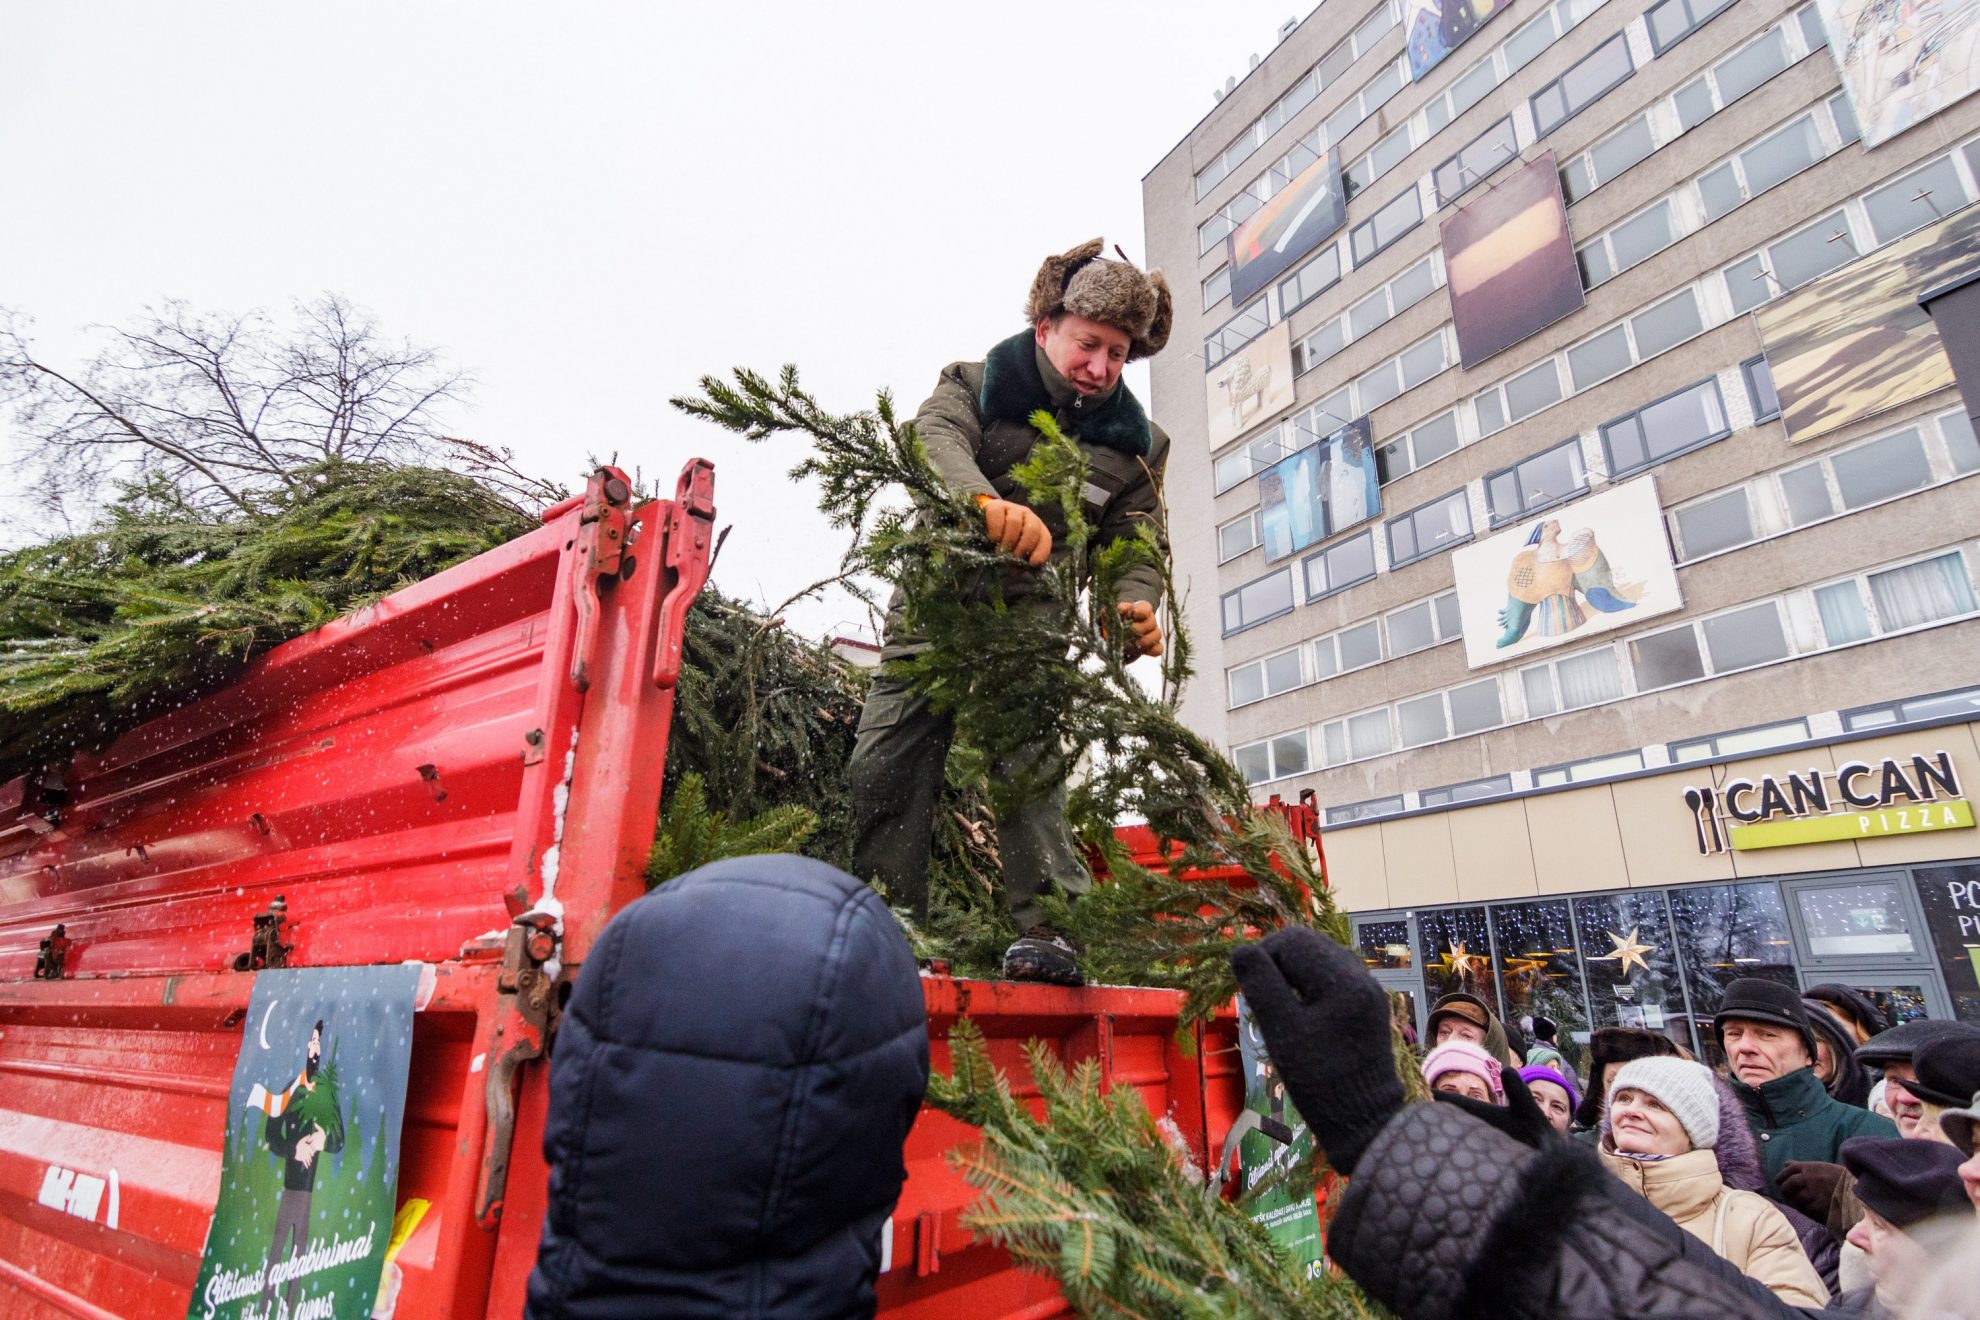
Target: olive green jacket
(976, 428)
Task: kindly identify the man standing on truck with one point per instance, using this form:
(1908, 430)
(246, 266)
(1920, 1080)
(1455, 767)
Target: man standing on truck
(1087, 318)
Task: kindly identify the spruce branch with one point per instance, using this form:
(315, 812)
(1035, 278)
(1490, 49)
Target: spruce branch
(1092, 1194)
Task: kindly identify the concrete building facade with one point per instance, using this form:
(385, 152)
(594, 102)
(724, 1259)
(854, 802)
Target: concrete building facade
(1710, 163)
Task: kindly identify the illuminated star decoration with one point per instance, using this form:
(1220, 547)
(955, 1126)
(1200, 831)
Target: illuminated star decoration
(1456, 959)
(1628, 950)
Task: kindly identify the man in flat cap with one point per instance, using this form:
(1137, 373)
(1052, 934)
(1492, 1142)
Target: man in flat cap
(1086, 318)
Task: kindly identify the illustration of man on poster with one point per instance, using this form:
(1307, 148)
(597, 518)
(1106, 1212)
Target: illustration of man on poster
(304, 1224)
(305, 1121)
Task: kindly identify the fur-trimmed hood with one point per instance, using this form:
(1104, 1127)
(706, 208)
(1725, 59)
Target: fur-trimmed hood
(1111, 292)
(1016, 384)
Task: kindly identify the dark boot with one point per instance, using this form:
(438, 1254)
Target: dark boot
(1043, 954)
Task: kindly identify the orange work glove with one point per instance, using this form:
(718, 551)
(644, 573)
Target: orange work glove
(1144, 629)
(1015, 529)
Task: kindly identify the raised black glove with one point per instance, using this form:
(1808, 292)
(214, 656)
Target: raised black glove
(1326, 1025)
(1519, 1117)
(1810, 1186)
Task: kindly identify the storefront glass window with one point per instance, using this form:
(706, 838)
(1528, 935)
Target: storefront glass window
(1632, 974)
(1865, 917)
(1951, 896)
(1727, 932)
(1384, 944)
(1538, 974)
(1456, 954)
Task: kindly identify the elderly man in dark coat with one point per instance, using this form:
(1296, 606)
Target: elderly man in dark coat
(1086, 318)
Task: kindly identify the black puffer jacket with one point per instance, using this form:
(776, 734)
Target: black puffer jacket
(1447, 1218)
(733, 1081)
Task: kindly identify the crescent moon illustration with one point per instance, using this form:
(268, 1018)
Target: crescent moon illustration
(264, 1023)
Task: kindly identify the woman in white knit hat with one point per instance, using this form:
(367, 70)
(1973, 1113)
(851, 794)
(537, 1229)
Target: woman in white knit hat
(1659, 1135)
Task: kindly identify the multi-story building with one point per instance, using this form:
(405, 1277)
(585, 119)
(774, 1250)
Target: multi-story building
(1503, 758)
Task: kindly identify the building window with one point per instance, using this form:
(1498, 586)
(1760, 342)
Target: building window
(1387, 225)
(1372, 809)
(1264, 678)
(1649, 996)
(1548, 477)
(1751, 65)
(1534, 389)
(1256, 601)
(1275, 758)
(1887, 467)
(1470, 791)
(1317, 276)
(1423, 625)
(1962, 449)
(1960, 704)
(1351, 648)
(1738, 639)
(1470, 88)
(1678, 422)
(1444, 936)
(1674, 20)
(1237, 536)
(1582, 772)
(1893, 599)
(1606, 159)
(1588, 679)
(1714, 524)
(1235, 333)
(1726, 933)
(1475, 160)
(1217, 288)
(1667, 325)
(1740, 741)
(1340, 566)
(1412, 450)
(1593, 361)
(1916, 200)
(1250, 458)
(1759, 378)
(1357, 736)
(1593, 77)
(1772, 160)
(1429, 528)
(1322, 344)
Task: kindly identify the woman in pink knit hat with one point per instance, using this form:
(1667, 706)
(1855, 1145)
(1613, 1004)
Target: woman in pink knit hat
(1462, 1068)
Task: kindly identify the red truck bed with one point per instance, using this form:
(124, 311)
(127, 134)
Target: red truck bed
(432, 780)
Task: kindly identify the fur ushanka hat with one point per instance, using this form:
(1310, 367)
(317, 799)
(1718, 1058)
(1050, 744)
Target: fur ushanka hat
(1111, 292)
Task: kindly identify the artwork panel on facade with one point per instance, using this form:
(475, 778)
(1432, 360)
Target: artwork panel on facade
(1902, 63)
(1511, 262)
(1250, 386)
(1435, 28)
(1324, 488)
(1856, 343)
(1566, 575)
(1287, 227)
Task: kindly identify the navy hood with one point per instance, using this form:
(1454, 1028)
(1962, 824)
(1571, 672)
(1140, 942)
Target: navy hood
(733, 1081)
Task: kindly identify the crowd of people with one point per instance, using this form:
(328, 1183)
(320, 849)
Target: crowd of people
(1828, 1166)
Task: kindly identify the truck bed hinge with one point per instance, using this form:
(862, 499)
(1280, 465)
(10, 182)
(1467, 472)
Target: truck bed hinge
(525, 1023)
(601, 546)
(267, 948)
(48, 964)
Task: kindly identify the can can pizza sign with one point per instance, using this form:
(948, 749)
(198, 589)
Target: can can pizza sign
(1859, 800)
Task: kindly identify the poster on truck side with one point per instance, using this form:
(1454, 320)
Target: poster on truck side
(310, 1165)
(1275, 1156)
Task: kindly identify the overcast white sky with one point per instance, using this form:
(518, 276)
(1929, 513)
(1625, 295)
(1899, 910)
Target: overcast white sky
(588, 206)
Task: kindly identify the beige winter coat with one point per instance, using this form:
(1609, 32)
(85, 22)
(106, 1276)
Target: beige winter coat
(1744, 1227)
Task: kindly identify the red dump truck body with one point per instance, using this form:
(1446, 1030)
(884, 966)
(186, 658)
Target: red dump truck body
(441, 778)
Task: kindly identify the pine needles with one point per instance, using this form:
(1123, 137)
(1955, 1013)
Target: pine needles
(1093, 1194)
(1032, 666)
(691, 834)
(166, 600)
